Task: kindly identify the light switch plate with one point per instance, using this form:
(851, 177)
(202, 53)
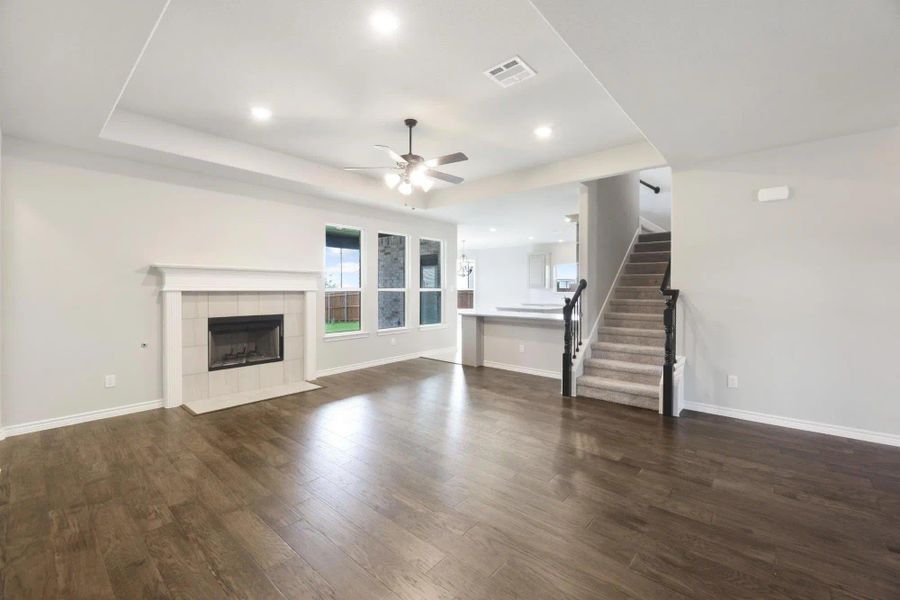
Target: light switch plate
(733, 381)
(109, 381)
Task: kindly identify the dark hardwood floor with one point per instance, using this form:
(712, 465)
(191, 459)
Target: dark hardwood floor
(424, 480)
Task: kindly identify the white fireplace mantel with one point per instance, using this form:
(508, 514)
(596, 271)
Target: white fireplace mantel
(196, 278)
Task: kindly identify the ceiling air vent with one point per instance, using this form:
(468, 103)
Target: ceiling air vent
(510, 72)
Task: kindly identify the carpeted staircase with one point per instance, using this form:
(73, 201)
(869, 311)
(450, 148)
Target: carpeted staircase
(626, 361)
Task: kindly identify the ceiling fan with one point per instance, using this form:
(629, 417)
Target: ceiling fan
(412, 170)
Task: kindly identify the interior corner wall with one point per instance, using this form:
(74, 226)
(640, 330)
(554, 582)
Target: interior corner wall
(799, 297)
(609, 215)
(80, 231)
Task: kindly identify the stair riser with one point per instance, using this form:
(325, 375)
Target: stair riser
(653, 279)
(637, 340)
(653, 247)
(623, 305)
(646, 267)
(649, 257)
(619, 397)
(644, 359)
(655, 237)
(653, 325)
(622, 375)
(650, 293)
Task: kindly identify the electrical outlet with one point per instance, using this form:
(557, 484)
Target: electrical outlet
(732, 381)
(522, 348)
(393, 341)
(109, 381)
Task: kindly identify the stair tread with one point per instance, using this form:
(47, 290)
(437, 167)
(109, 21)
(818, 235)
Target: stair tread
(654, 333)
(639, 287)
(634, 316)
(629, 348)
(629, 387)
(656, 272)
(621, 365)
(659, 300)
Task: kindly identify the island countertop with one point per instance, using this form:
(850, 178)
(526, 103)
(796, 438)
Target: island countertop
(512, 314)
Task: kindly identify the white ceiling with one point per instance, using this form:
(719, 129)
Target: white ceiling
(700, 79)
(536, 214)
(704, 79)
(336, 87)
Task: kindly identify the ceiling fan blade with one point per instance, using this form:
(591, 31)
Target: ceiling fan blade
(447, 159)
(369, 168)
(443, 176)
(394, 156)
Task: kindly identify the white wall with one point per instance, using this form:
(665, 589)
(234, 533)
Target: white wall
(501, 274)
(609, 215)
(1, 287)
(79, 233)
(657, 208)
(798, 298)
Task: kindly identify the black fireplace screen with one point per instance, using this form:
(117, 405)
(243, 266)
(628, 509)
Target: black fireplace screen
(240, 341)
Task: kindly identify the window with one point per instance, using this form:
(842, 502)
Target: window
(391, 281)
(343, 279)
(430, 281)
(565, 276)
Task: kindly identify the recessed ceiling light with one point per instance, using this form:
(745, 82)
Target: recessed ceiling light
(493, 229)
(543, 132)
(559, 241)
(567, 219)
(530, 237)
(261, 113)
(384, 22)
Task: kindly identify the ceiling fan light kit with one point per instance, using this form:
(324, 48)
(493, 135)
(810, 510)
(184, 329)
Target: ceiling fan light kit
(411, 170)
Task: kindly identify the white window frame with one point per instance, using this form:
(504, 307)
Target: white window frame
(361, 332)
(405, 290)
(441, 263)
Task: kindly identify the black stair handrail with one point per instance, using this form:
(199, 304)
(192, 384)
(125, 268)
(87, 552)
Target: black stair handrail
(671, 297)
(656, 189)
(572, 335)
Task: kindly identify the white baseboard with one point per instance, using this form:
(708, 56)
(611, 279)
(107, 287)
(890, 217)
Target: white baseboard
(864, 435)
(521, 369)
(105, 413)
(381, 361)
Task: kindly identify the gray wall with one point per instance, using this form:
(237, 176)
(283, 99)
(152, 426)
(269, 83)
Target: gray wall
(609, 215)
(79, 234)
(798, 298)
(529, 345)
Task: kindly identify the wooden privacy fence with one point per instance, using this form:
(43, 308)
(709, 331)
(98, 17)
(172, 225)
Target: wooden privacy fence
(465, 299)
(341, 307)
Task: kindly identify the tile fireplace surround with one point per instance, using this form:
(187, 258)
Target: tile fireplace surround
(192, 294)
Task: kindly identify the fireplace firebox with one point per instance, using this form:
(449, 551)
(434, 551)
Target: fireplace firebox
(243, 341)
